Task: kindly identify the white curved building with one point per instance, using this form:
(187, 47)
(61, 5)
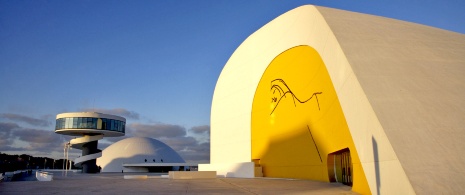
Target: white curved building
(337, 96)
(91, 126)
(139, 154)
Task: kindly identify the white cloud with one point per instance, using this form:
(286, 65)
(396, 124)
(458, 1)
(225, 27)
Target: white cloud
(157, 130)
(26, 119)
(17, 139)
(5, 135)
(193, 147)
(179, 143)
(115, 111)
(201, 133)
(199, 153)
(200, 129)
(39, 140)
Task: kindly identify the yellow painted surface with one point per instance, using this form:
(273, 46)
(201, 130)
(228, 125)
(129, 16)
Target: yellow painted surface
(99, 123)
(297, 120)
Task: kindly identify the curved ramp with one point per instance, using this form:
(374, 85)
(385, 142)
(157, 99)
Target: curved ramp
(80, 141)
(88, 144)
(78, 161)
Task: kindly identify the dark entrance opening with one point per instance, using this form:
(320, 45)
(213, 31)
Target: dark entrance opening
(160, 169)
(340, 167)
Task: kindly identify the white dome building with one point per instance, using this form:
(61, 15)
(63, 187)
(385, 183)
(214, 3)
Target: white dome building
(139, 154)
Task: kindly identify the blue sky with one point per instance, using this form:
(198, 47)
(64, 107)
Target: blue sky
(154, 62)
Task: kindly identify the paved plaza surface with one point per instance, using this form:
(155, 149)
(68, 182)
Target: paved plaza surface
(114, 183)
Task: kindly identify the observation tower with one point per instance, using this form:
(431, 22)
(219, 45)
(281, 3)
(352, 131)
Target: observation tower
(90, 127)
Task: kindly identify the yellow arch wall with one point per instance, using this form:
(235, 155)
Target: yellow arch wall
(233, 99)
(297, 119)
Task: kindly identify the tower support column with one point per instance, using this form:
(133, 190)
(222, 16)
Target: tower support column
(90, 166)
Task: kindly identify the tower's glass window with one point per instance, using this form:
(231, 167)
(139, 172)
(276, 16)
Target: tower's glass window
(90, 123)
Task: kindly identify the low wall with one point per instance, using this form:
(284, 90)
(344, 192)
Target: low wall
(135, 176)
(240, 169)
(16, 175)
(192, 174)
(44, 176)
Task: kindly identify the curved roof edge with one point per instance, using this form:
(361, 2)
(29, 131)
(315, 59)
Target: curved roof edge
(236, 86)
(412, 76)
(90, 114)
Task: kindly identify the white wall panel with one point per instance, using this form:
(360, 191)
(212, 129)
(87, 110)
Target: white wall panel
(235, 89)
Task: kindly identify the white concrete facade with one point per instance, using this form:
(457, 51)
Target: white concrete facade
(412, 76)
(365, 94)
(129, 155)
(92, 126)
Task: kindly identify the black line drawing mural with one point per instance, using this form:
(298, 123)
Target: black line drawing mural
(321, 160)
(279, 86)
(281, 90)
